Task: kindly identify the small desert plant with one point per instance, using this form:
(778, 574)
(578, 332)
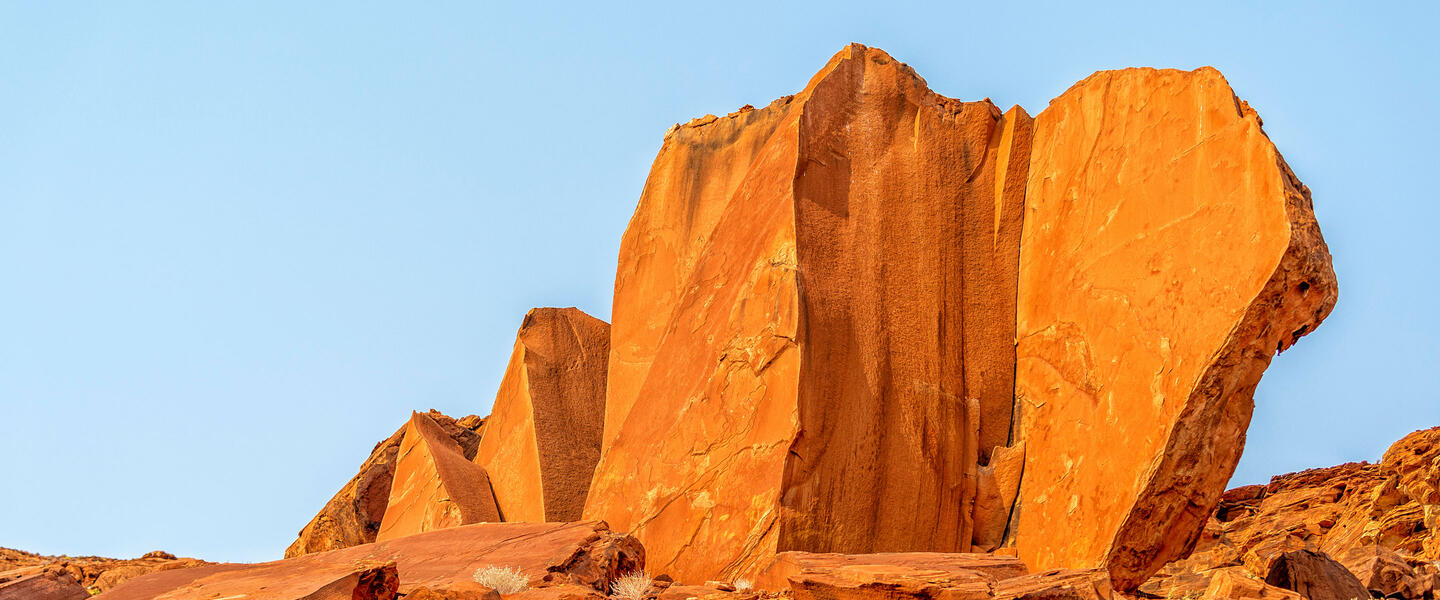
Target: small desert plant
(743, 585)
(505, 580)
(631, 586)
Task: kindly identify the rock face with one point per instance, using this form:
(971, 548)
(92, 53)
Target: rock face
(1355, 513)
(434, 486)
(1168, 253)
(353, 515)
(542, 438)
(871, 318)
(586, 554)
(746, 417)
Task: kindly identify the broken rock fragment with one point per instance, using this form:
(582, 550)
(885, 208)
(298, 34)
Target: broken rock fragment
(542, 438)
(435, 486)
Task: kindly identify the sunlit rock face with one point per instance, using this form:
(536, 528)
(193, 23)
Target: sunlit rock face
(871, 318)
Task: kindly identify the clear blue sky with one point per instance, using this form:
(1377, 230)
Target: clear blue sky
(240, 241)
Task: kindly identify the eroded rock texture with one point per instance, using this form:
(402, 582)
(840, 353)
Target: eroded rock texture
(434, 485)
(1357, 514)
(804, 303)
(542, 438)
(353, 515)
(584, 554)
(1168, 253)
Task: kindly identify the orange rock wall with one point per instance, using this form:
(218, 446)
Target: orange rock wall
(1167, 254)
(542, 439)
(808, 387)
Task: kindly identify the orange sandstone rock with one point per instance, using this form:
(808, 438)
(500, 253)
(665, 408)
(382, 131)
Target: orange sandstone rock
(562, 554)
(812, 326)
(542, 439)
(917, 566)
(435, 486)
(353, 515)
(1168, 253)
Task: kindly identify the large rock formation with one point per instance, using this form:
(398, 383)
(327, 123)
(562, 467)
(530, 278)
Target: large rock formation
(435, 486)
(818, 302)
(1168, 254)
(353, 515)
(802, 311)
(585, 554)
(542, 438)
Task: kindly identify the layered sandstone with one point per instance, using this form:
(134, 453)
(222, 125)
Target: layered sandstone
(353, 515)
(1168, 253)
(434, 485)
(811, 329)
(1361, 515)
(583, 554)
(92, 574)
(542, 438)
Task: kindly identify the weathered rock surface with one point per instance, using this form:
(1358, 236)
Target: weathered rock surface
(434, 485)
(542, 438)
(91, 572)
(49, 584)
(353, 515)
(866, 567)
(746, 417)
(583, 553)
(1356, 513)
(1314, 575)
(1168, 253)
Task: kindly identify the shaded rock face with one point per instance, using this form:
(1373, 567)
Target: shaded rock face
(871, 318)
(542, 438)
(747, 417)
(434, 485)
(1314, 575)
(353, 515)
(1355, 513)
(1168, 253)
(584, 554)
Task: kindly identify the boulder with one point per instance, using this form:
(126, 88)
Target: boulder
(1235, 583)
(434, 485)
(542, 438)
(353, 515)
(746, 418)
(583, 554)
(1168, 253)
(1315, 576)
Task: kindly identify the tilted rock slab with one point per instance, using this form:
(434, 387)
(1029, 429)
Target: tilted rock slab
(352, 517)
(800, 357)
(583, 553)
(542, 438)
(1168, 253)
(435, 486)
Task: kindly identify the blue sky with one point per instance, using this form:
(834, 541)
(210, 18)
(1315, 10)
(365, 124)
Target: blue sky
(240, 241)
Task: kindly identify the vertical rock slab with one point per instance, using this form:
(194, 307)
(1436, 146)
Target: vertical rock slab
(542, 439)
(793, 371)
(699, 168)
(352, 517)
(435, 487)
(1168, 253)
